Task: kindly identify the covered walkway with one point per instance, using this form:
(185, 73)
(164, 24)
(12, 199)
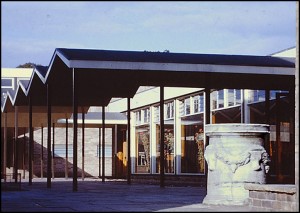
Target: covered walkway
(77, 79)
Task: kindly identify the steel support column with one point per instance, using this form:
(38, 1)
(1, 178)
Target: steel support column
(207, 121)
(30, 155)
(99, 149)
(114, 149)
(42, 152)
(16, 145)
(128, 144)
(267, 106)
(162, 130)
(75, 116)
(53, 147)
(24, 150)
(49, 137)
(267, 142)
(5, 146)
(103, 143)
(67, 148)
(82, 151)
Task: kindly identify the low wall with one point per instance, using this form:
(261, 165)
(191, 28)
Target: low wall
(170, 180)
(271, 197)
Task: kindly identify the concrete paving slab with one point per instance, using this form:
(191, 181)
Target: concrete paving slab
(93, 195)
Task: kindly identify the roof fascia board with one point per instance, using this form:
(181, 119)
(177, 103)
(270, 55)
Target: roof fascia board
(9, 95)
(211, 68)
(36, 71)
(16, 94)
(20, 85)
(30, 81)
(62, 57)
(23, 88)
(44, 79)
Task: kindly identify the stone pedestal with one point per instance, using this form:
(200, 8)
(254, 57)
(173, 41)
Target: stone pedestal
(234, 156)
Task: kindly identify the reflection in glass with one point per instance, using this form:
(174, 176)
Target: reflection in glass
(192, 144)
(143, 149)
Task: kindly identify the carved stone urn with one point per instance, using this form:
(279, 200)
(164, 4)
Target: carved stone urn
(234, 157)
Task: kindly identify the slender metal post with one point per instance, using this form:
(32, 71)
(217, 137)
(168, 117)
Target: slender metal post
(5, 146)
(82, 175)
(53, 147)
(75, 116)
(278, 159)
(207, 121)
(114, 149)
(24, 150)
(243, 106)
(162, 138)
(16, 146)
(42, 152)
(30, 141)
(99, 154)
(267, 119)
(103, 143)
(67, 149)
(207, 110)
(49, 137)
(128, 143)
(267, 143)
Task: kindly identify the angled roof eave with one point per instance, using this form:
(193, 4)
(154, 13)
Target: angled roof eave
(24, 84)
(40, 72)
(20, 96)
(55, 54)
(7, 105)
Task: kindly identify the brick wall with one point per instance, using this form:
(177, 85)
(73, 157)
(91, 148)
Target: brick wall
(272, 197)
(91, 161)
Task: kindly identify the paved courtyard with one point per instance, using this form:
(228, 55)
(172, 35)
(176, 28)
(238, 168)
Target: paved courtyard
(109, 196)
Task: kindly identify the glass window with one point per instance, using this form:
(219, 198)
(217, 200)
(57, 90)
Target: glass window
(187, 106)
(169, 110)
(192, 144)
(168, 148)
(143, 149)
(214, 99)
(201, 104)
(157, 114)
(198, 103)
(181, 108)
(257, 95)
(261, 95)
(234, 97)
(138, 117)
(238, 99)
(107, 151)
(230, 97)
(220, 98)
(273, 94)
(60, 150)
(146, 115)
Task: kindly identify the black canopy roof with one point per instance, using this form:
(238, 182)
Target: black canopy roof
(101, 75)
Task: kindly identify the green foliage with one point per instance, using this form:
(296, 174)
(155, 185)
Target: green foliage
(27, 65)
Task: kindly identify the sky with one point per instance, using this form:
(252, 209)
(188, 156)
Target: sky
(30, 31)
